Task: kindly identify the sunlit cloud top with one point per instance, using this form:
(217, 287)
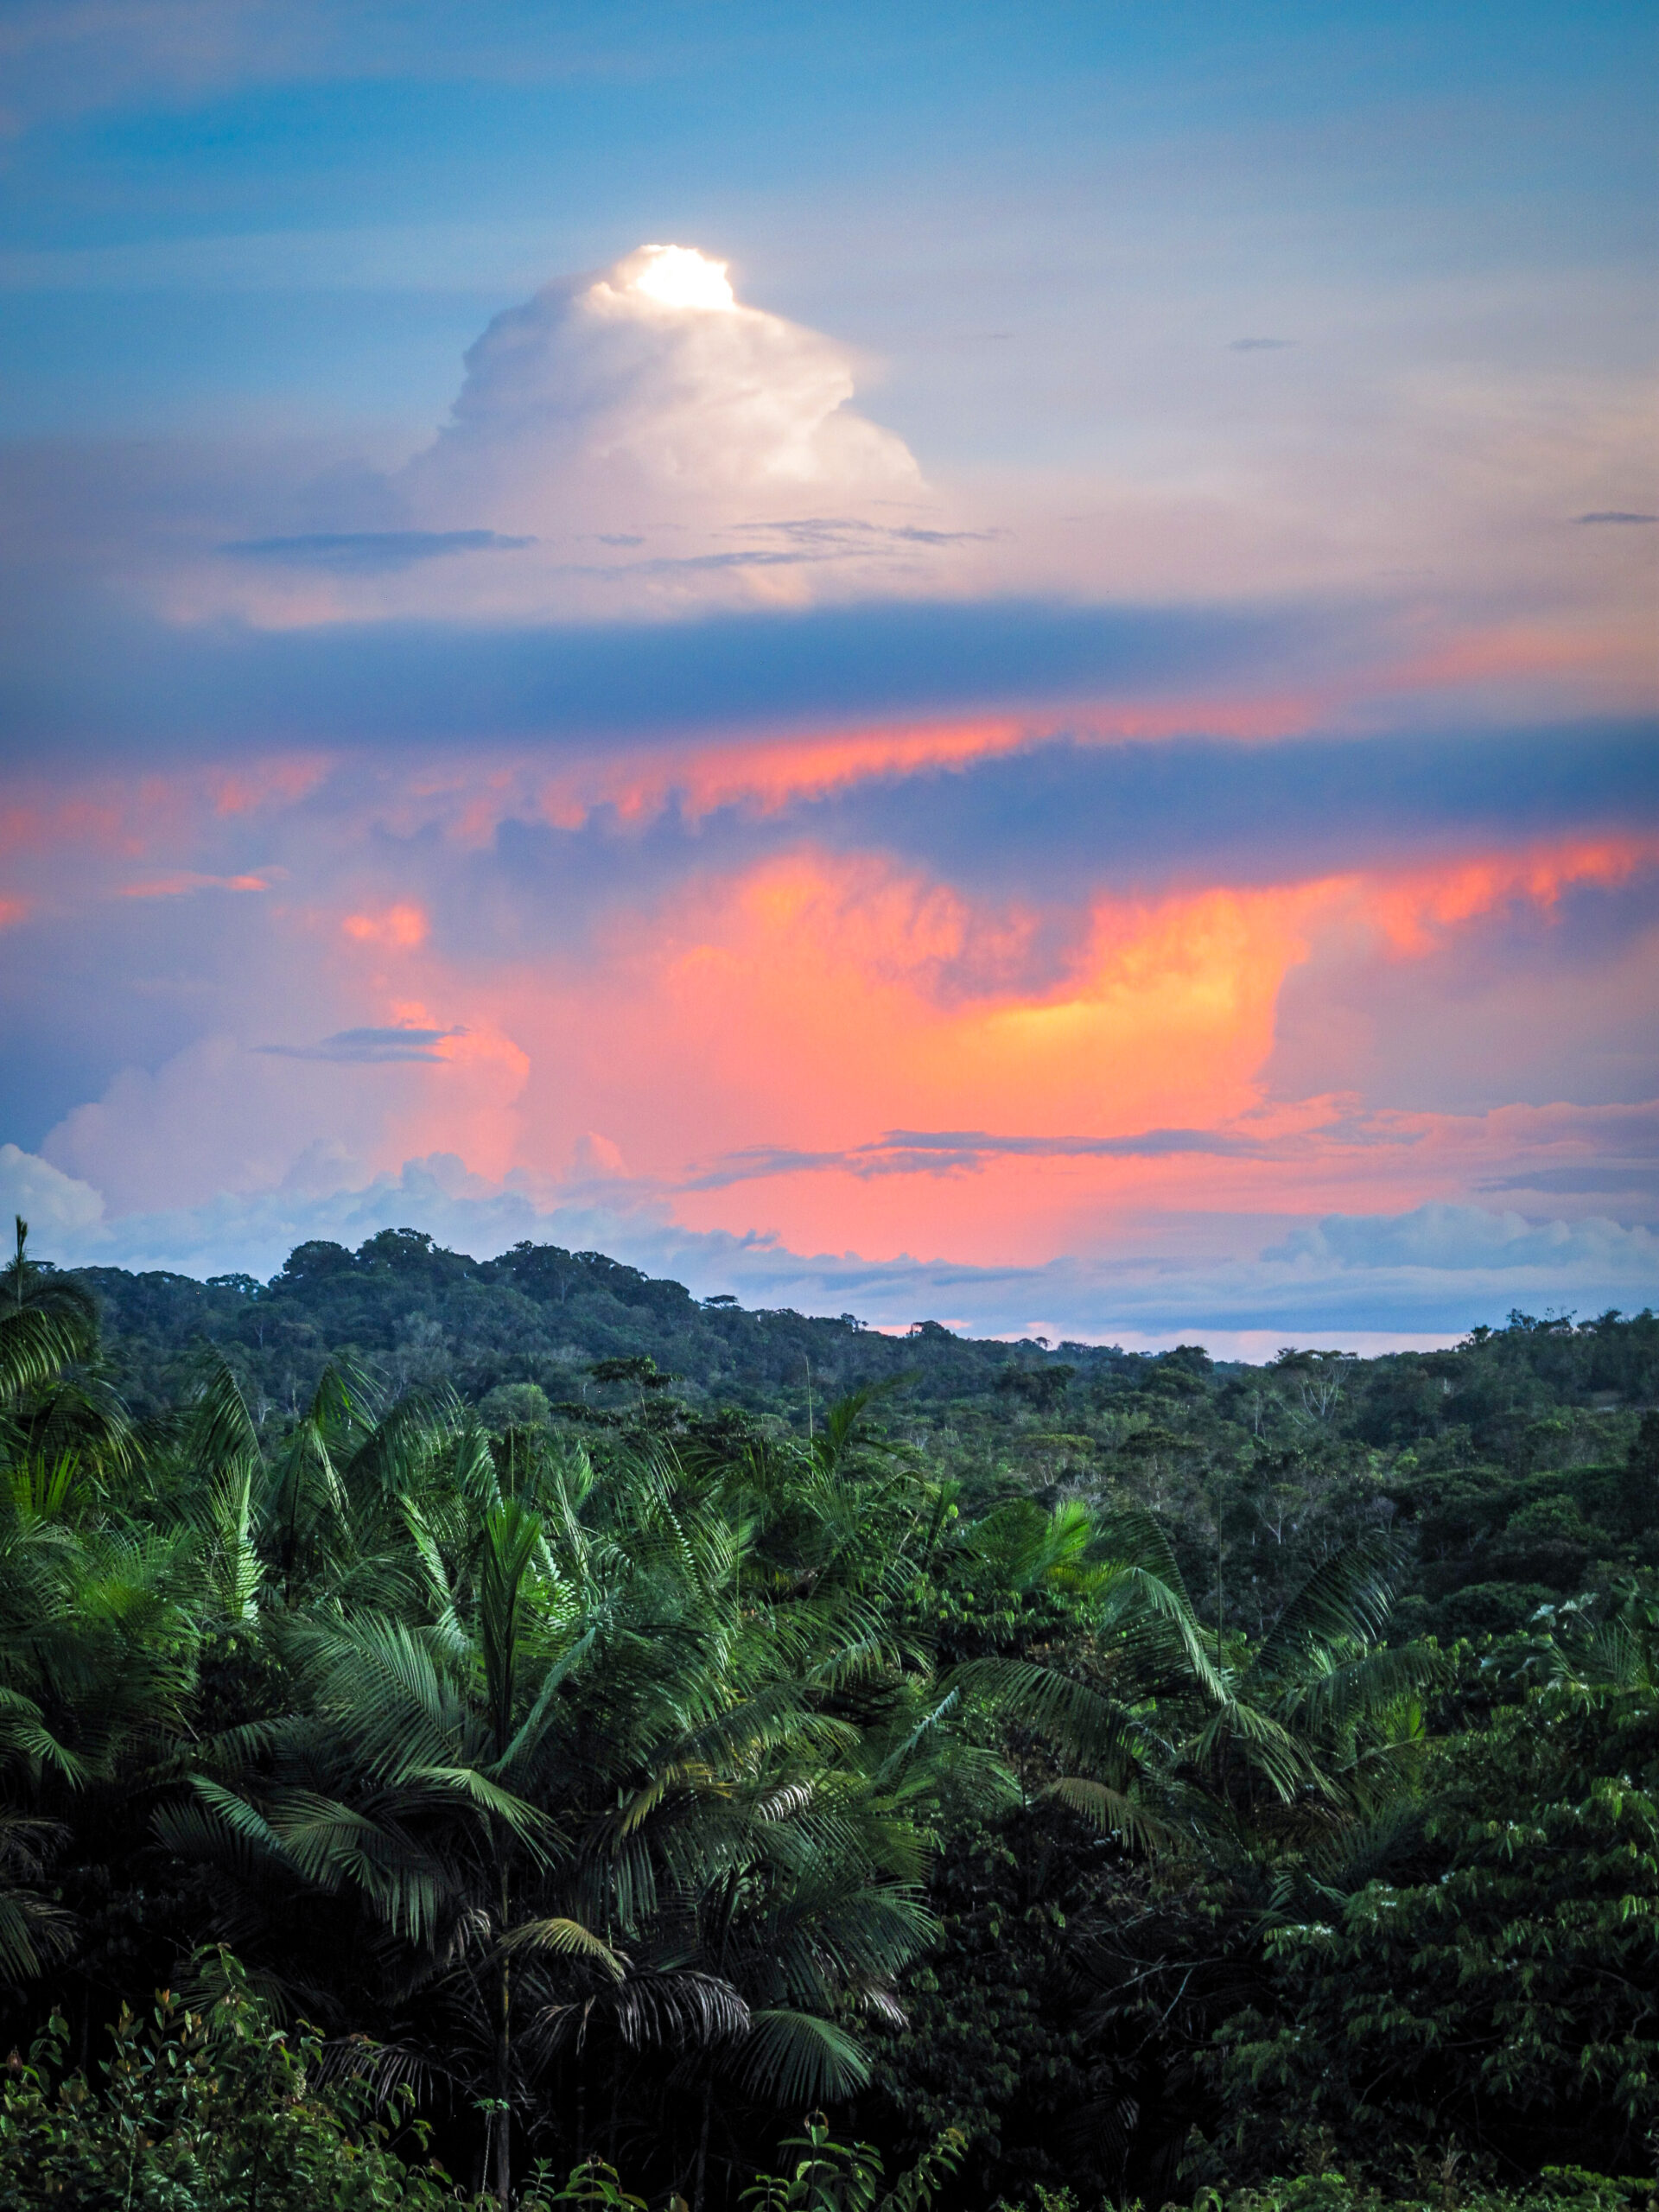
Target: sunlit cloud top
(673, 276)
(650, 395)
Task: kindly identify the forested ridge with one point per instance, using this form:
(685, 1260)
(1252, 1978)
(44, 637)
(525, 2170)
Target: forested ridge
(528, 1718)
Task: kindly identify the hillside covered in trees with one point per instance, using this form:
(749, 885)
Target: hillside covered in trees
(1502, 1468)
(533, 1719)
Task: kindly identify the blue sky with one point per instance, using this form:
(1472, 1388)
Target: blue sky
(1108, 589)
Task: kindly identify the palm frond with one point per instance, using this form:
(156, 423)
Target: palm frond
(679, 2010)
(222, 1429)
(797, 2061)
(1365, 1688)
(38, 1342)
(1344, 1601)
(568, 1939)
(33, 1930)
(1079, 1719)
(1114, 1813)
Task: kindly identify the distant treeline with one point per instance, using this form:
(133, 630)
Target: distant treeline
(1503, 1466)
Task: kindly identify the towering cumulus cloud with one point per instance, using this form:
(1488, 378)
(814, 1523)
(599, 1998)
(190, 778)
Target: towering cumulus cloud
(651, 396)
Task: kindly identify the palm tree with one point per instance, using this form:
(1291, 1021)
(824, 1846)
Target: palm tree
(1246, 1781)
(609, 1764)
(97, 1664)
(1096, 1713)
(47, 1322)
(1175, 1739)
(96, 1647)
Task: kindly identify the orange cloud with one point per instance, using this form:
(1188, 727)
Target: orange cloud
(815, 1007)
(811, 1003)
(277, 783)
(180, 886)
(400, 928)
(768, 773)
(1408, 906)
(816, 1002)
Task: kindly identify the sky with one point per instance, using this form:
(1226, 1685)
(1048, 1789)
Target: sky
(987, 664)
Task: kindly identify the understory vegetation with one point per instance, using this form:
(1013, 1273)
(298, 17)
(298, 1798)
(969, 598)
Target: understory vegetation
(515, 1730)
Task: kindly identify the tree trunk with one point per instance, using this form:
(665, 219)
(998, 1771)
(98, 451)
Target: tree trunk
(503, 2115)
(698, 2199)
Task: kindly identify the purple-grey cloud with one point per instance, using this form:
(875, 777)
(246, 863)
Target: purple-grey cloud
(939, 1152)
(370, 552)
(107, 684)
(368, 1048)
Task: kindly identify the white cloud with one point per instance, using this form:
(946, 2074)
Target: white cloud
(640, 440)
(1469, 1238)
(651, 385)
(212, 1116)
(54, 1204)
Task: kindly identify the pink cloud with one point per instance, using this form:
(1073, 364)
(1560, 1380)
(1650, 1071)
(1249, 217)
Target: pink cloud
(398, 929)
(181, 885)
(733, 1041)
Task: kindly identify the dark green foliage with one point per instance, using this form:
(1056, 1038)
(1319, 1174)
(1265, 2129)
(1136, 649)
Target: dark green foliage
(831, 2177)
(1057, 2021)
(1438, 2183)
(1497, 1985)
(625, 1722)
(1636, 1494)
(1459, 1452)
(203, 2108)
(210, 2104)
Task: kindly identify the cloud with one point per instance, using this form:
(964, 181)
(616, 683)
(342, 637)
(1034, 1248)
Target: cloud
(785, 1007)
(1377, 1279)
(182, 883)
(1469, 1239)
(1259, 345)
(934, 1152)
(55, 1206)
(808, 541)
(1636, 1183)
(1614, 515)
(400, 928)
(1068, 813)
(652, 387)
(367, 552)
(370, 1047)
(109, 684)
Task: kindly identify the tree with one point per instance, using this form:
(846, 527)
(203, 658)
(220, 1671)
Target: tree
(47, 1322)
(1637, 1498)
(1491, 1978)
(608, 1768)
(1065, 2021)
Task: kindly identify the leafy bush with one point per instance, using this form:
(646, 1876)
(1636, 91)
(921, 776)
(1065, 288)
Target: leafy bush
(831, 2177)
(1558, 2189)
(204, 2109)
(201, 2108)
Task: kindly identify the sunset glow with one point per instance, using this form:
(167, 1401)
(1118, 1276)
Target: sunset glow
(1045, 726)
